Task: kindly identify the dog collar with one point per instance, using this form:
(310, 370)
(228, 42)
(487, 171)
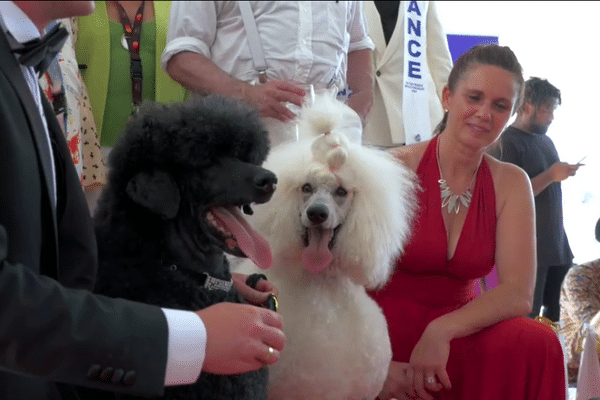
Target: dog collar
(212, 283)
(207, 281)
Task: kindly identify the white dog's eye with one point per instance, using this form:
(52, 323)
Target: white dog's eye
(341, 192)
(306, 188)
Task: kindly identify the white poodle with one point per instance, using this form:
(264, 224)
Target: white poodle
(338, 219)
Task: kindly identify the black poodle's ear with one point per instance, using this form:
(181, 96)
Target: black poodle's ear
(156, 191)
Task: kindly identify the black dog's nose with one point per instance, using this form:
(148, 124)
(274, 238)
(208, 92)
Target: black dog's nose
(265, 182)
(317, 214)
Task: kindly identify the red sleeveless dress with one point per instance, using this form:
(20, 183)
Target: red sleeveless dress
(515, 359)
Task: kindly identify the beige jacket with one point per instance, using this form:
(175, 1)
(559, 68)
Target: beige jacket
(385, 124)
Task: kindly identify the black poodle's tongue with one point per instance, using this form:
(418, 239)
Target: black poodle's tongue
(252, 243)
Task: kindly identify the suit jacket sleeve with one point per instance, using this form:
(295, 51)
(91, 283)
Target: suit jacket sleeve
(51, 326)
(59, 334)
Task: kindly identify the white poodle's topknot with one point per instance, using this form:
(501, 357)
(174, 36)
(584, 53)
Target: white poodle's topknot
(326, 114)
(330, 149)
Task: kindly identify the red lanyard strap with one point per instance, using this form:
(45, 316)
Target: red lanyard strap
(133, 34)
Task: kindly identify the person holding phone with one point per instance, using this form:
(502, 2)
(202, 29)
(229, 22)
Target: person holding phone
(526, 144)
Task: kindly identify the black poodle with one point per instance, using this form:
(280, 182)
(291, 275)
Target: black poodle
(178, 178)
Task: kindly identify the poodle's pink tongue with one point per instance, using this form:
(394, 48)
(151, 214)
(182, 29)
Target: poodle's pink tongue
(317, 255)
(252, 243)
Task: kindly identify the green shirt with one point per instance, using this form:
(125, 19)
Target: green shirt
(119, 103)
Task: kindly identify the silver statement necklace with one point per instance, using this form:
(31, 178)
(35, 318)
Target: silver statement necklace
(449, 198)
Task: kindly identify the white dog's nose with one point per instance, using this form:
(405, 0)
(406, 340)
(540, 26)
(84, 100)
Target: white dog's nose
(317, 213)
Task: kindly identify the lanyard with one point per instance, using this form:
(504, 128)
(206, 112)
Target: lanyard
(132, 35)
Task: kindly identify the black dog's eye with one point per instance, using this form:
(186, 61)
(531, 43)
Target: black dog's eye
(341, 192)
(306, 188)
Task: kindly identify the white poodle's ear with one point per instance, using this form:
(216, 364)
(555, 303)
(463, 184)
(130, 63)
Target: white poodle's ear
(379, 223)
(156, 191)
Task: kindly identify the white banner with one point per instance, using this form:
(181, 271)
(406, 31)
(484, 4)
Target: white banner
(415, 104)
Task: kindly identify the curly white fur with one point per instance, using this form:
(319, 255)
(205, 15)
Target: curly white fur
(337, 341)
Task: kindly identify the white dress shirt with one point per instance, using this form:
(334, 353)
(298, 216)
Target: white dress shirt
(304, 42)
(187, 333)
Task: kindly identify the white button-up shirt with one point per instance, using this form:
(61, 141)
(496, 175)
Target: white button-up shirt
(304, 42)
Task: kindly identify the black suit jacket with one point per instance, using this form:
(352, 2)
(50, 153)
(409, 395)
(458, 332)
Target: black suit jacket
(52, 329)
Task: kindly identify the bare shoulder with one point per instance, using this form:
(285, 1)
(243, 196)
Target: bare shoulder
(410, 155)
(505, 173)
(511, 183)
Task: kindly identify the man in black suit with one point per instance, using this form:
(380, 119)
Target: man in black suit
(54, 332)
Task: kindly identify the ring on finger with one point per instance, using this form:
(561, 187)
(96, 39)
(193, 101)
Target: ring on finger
(270, 354)
(430, 380)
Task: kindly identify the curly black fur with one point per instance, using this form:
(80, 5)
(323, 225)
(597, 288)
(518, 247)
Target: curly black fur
(171, 164)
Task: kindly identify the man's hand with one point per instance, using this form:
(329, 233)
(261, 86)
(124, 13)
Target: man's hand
(270, 98)
(256, 296)
(199, 74)
(557, 172)
(239, 338)
(562, 170)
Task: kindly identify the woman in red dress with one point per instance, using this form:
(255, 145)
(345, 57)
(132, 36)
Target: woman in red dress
(474, 212)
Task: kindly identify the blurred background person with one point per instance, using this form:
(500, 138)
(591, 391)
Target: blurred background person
(117, 35)
(212, 48)
(580, 305)
(525, 143)
(391, 122)
(66, 91)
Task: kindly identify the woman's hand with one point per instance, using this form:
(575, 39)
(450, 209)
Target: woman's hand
(399, 383)
(428, 362)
